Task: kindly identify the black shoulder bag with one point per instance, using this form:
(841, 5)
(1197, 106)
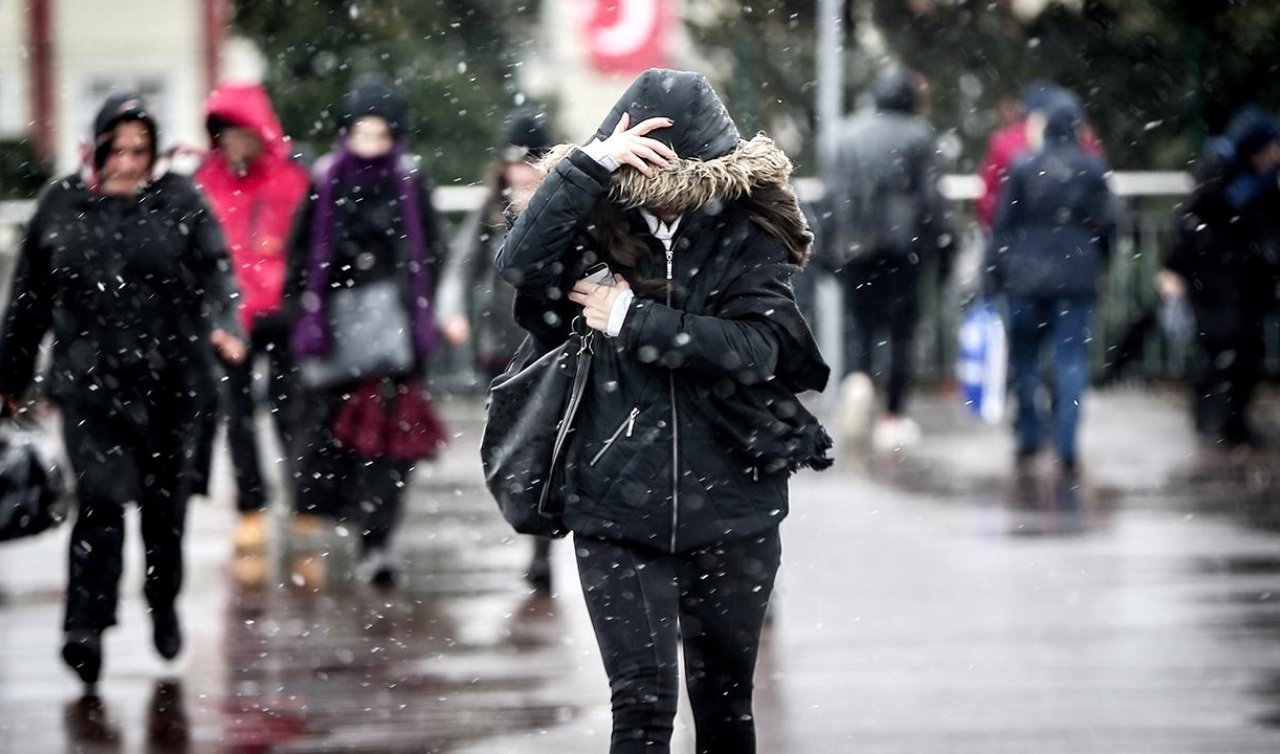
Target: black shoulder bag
(530, 411)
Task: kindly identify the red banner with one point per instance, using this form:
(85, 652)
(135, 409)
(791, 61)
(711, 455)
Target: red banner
(627, 36)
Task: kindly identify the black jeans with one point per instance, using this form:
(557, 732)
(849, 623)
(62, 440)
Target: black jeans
(271, 341)
(881, 299)
(123, 452)
(644, 603)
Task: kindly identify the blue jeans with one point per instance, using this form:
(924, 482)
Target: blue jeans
(1063, 324)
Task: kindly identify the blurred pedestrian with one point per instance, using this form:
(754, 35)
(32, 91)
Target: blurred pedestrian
(472, 284)
(890, 220)
(1224, 259)
(254, 187)
(675, 477)
(1013, 140)
(367, 243)
(1050, 243)
(129, 270)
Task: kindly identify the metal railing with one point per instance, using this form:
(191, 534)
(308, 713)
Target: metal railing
(1146, 202)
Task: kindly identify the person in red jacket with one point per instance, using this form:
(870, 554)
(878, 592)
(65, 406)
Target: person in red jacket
(253, 185)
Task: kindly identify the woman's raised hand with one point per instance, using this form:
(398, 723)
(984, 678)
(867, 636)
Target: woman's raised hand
(630, 146)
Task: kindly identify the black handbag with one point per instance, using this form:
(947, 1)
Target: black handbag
(529, 413)
(33, 489)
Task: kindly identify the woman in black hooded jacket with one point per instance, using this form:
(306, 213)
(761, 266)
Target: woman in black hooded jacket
(676, 473)
(127, 268)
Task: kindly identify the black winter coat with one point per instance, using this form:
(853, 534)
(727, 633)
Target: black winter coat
(651, 459)
(1222, 253)
(131, 288)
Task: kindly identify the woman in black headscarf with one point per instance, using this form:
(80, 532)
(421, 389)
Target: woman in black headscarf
(676, 474)
(126, 266)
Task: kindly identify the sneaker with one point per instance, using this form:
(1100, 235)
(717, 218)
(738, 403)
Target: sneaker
(166, 631)
(82, 652)
(857, 399)
(893, 433)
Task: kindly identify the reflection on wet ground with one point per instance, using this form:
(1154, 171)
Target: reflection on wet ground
(930, 601)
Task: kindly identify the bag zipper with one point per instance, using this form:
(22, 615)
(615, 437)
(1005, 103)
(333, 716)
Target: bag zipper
(628, 424)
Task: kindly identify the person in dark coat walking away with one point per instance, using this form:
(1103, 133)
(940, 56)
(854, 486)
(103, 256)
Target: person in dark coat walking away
(1050, 244)
(471, 282)
(1224, 258)
(129, 270)
(254, 187)
(675, 477)
(369, 222)
(889, 218)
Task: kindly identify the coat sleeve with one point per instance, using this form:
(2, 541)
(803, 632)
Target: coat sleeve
(541, 251)
(755, 328)
(30, 311)
(1007, 216)
(295, 280)
(462, 271)
(220, 295)
(542, 254)
(934, 226)
(433, 230)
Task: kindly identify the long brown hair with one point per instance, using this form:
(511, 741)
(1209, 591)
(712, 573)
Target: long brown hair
(773, 207)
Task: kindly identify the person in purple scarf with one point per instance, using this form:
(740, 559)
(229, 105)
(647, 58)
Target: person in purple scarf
(369, 220)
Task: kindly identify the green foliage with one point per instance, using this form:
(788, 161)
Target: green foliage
(1156, 75)
(21, 172)
(455, 59)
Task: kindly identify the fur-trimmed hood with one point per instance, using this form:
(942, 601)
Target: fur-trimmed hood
(715, 164)
(689, 183)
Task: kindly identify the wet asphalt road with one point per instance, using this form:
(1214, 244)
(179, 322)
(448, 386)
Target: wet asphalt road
(928, 602)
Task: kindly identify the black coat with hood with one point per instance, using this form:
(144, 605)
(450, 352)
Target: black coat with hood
(131, 288)
(690, 425)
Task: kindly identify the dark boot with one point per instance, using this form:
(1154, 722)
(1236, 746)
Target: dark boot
(538, 575)
(166, 631)
(82, 652)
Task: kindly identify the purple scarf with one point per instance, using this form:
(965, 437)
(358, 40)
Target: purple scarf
(311, 336)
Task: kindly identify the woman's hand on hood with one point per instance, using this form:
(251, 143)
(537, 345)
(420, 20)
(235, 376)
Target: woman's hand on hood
(629, 146)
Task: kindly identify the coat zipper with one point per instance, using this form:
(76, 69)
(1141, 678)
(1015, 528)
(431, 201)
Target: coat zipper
(675, 423)
(629, 424)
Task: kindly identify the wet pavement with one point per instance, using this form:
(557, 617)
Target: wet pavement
(929, 602)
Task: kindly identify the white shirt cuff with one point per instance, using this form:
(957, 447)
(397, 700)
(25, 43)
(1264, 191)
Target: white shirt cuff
(596, 151)
(618, 315)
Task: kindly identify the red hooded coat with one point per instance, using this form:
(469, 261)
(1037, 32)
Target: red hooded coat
(255, 209)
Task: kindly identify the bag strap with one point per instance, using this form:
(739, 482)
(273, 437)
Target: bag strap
(582, 370)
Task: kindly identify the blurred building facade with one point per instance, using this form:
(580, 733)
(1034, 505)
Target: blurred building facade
(590, 50)
(60, 58)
